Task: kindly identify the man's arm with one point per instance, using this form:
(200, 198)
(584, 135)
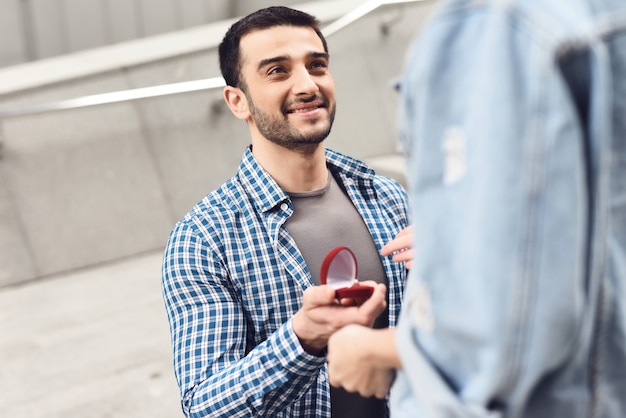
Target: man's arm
(209, 335)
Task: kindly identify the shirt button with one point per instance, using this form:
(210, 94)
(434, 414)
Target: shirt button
(284, 206)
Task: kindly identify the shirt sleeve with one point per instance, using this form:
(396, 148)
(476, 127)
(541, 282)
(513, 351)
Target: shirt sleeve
(215, 373)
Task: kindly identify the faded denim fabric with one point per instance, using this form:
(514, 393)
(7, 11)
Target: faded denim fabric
(514, 116)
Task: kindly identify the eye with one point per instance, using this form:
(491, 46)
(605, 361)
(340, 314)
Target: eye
(276, 70)
(319, 64)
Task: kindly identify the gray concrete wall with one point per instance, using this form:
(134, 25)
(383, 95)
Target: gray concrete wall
(83, 187)
(37, 29)
(12, 42)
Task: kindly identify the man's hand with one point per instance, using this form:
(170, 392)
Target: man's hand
(401, 247)
(322, 314)
(363, 360)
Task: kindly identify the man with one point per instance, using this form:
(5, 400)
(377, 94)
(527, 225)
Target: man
(515, 302)
(249, 328)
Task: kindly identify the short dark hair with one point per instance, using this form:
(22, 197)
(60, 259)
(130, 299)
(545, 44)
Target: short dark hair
(229, 54)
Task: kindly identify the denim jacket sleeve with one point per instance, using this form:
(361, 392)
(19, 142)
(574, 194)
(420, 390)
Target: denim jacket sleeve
(500, 310)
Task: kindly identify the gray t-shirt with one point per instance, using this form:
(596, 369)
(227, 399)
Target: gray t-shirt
(322, 220)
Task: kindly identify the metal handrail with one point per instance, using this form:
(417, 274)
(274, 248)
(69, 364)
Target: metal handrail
(116, 97)
(359, 12)
(186, 86)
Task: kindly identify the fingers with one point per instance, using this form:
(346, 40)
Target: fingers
(363, 311)
(321, 314)
(357, 301)
(402, 241)
(316, 296)
(401, 247)
(375, 304)
(405, 256)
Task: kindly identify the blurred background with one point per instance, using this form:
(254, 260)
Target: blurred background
(112, 126)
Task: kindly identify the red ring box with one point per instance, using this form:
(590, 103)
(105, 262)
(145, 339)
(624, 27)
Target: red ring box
(339, 270)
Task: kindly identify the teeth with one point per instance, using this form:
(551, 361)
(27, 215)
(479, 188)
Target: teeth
(308, 109)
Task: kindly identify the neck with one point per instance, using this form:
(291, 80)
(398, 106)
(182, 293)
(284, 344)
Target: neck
(294, 171)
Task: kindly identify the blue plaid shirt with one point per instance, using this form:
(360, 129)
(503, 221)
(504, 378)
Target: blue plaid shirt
(233, 278)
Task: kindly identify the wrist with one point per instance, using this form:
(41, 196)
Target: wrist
(311, 345)
(383, 350)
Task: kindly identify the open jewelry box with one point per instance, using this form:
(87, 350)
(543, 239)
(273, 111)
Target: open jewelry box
(339, 270)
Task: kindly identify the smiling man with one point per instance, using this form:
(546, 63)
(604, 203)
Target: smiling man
(249, 319)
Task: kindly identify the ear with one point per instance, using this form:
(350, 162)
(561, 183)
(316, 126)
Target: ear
(237, 102)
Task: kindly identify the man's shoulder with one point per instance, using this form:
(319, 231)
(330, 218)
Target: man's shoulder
(353, 168)
(346, 163)
(219, 208)
(388, 184)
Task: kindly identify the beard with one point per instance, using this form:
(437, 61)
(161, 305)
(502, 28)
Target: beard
(280, 131)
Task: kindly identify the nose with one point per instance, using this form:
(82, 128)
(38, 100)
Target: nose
(304, 83)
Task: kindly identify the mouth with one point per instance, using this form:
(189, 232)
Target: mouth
(307, 107)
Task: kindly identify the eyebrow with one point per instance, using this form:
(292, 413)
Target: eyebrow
(281, 58)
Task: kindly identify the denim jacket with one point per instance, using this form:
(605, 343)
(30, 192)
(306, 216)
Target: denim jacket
(514, 113)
